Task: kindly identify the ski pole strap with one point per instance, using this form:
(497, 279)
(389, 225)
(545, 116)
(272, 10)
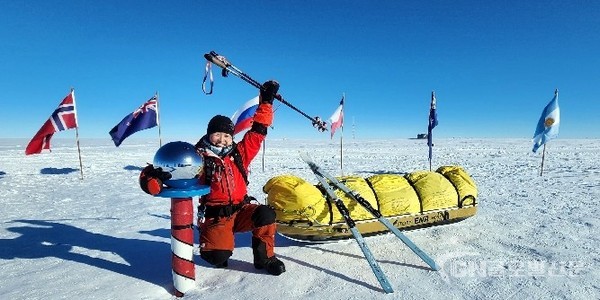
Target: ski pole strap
(208, 73)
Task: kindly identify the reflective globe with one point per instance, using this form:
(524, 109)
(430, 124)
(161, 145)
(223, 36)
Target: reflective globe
(182, 161)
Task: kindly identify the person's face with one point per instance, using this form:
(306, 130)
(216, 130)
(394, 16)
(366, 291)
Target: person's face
(221, 139)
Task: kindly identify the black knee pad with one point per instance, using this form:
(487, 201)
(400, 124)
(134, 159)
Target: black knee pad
(263, 215)
(215, 257)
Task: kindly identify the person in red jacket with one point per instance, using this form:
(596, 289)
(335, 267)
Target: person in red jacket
(227, 208)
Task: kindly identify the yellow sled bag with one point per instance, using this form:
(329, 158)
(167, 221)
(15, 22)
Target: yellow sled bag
(358, 213)
(464, 184)
(295, 199)
(394, 194)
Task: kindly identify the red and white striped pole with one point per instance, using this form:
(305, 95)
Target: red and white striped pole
(182, 245)
(185, 165)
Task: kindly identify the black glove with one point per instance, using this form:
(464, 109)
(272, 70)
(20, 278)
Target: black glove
(151, 179)
(267, 93)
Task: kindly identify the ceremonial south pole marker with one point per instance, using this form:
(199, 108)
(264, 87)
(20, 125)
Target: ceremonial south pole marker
(185, 165)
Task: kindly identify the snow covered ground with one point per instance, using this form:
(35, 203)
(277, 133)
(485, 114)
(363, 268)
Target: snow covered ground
(103, 238)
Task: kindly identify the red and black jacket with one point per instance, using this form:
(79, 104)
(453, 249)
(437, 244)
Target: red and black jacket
(228, 182)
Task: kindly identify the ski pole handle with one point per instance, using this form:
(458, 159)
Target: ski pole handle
(217, 59)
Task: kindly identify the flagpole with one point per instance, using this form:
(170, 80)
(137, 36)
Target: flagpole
(158, 119)
(430, 127)
(263, 155)
(77, 134)
(429, 134)
(543, 155)
(353, 129)
(342, 137)
(79, 151)
(342, 152)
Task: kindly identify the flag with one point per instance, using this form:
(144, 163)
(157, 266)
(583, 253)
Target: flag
(547, 127)
(146, 116)
(432, 123)
(337, 118)
(243, 117)
(64, 117)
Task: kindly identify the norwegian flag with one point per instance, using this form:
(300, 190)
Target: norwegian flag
(144, 117)
(64, 117)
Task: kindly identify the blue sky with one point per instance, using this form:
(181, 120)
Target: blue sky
(493, 65)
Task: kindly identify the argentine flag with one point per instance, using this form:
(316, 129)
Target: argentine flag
(548, 124)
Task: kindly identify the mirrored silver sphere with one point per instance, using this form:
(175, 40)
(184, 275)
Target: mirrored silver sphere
(182, 161)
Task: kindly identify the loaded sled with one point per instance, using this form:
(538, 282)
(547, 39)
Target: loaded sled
(408, 201)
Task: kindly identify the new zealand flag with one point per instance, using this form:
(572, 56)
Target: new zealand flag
(146, 116)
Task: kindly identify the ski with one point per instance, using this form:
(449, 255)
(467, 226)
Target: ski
(319, 172)
(383, 281)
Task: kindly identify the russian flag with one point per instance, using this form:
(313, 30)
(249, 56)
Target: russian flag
(242, 118)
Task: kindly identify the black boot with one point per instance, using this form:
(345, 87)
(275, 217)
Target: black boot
(217, 258)
(222, 265)
(272, 264)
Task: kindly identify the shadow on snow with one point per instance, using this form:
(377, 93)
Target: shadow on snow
(245, 240)
(132, 168)
(145, 260)
(47, 171)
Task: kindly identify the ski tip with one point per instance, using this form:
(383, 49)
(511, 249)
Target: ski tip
(305, 156)
(388, 289)
(307, 159)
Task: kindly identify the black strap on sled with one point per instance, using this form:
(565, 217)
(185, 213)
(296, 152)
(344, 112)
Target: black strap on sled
(412, 185)
(376, 197)
(329, 206)
(460, 201)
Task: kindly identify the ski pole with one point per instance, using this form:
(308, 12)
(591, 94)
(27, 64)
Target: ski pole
(364, 203)
(333, 198)
(227, 67)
